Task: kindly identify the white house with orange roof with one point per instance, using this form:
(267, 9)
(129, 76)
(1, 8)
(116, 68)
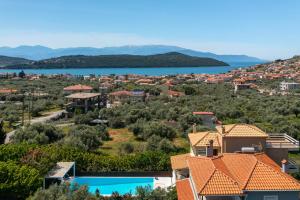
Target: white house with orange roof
(236, 176)
(234, 140)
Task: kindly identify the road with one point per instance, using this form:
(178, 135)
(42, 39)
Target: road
(43, 119)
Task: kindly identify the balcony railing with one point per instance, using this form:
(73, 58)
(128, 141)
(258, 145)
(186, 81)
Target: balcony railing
(292, 167)
(282, 140)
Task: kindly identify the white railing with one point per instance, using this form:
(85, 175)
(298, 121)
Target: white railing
(293, 167)
(282, 140)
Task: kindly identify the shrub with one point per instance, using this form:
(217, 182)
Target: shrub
(37, 134)
(126, 148)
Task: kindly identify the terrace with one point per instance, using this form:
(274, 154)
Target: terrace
(277, 141)
(282, 140)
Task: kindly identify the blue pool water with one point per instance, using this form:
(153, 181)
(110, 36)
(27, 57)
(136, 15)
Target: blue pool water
(108, 185)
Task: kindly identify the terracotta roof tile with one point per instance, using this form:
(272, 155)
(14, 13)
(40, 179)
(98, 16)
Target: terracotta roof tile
(201, 139)
(179, 161)
(221, 184)
(265, 177)
(184, 190)
(78, 87)
(241, 130)
(232, 173)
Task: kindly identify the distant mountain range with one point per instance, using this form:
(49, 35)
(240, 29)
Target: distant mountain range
(41, 52)
(172, 59)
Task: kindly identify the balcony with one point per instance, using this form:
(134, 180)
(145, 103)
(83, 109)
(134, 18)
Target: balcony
(282, 140)
(292, 166)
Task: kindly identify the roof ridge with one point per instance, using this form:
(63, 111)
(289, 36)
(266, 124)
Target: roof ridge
(233, 126)
(255, 128)
(250, 175)
(201, 138)
(208, 179)
(231, 175)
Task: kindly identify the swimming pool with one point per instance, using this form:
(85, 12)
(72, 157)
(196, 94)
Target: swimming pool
(108, 185)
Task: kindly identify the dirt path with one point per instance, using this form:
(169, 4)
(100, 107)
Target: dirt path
(43, 119)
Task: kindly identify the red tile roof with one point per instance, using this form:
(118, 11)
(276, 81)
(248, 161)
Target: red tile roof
(77, 88)
(203, 113)
(233, 173)
(184, 190)
(7, 91)
(120, 93)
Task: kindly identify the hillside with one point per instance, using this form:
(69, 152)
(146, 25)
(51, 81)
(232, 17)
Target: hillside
(172, 59)
(5, 60)
(41, 52)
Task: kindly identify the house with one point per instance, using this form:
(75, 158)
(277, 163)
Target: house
(83, 101)
(172, 93)
(233, 176)
(208, 118)
(244, 86)
(77, 88)
(285, 86)
(6, 91)
(244, 138)
(144, 81)
(124, 95)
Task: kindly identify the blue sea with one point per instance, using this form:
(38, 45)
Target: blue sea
(142, 71)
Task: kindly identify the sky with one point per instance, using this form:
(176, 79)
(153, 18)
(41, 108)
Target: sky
(267, 29)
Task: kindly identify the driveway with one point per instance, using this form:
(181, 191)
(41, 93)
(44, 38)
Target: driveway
(43, 119)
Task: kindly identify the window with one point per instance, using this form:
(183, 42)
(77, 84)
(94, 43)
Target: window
(271, 197)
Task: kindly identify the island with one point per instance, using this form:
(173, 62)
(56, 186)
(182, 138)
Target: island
(171, 59)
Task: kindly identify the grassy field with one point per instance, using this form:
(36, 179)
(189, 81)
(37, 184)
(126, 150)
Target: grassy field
(121, 136)
(118, 137)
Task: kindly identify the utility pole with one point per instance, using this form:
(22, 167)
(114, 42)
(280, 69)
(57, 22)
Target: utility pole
(23, 109)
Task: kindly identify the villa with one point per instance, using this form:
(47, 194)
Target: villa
(77, 88)
(235, 176)
(237, 161)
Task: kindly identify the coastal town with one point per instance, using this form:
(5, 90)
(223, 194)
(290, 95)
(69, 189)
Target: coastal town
(149, 100)
(202, 135)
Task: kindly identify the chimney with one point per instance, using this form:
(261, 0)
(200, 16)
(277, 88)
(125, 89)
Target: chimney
(223, 130)
(283, 165)
(194, 128)
(210, 149)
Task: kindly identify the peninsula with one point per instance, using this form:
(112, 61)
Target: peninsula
(171, 59)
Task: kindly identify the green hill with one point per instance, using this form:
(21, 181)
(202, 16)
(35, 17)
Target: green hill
(6, 60)
(172, 59)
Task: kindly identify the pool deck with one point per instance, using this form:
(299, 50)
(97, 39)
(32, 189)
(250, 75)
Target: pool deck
(162, 182)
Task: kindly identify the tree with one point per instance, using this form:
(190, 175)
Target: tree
(85, 137)
(126, 148)
(2, 132)
(152, 143)
(18, 180)
(166, 146)
(22, 74)
(37, 134)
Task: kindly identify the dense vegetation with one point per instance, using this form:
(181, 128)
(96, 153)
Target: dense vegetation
(73, 193)
(6, 60)
(172, 59)
(156, 125)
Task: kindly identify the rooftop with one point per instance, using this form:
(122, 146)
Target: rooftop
(233, 173)
(201, 139)
(60, 170)
(240, 130)
(179, 161)
(77, 87)
(82, 95)
(184, 191)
